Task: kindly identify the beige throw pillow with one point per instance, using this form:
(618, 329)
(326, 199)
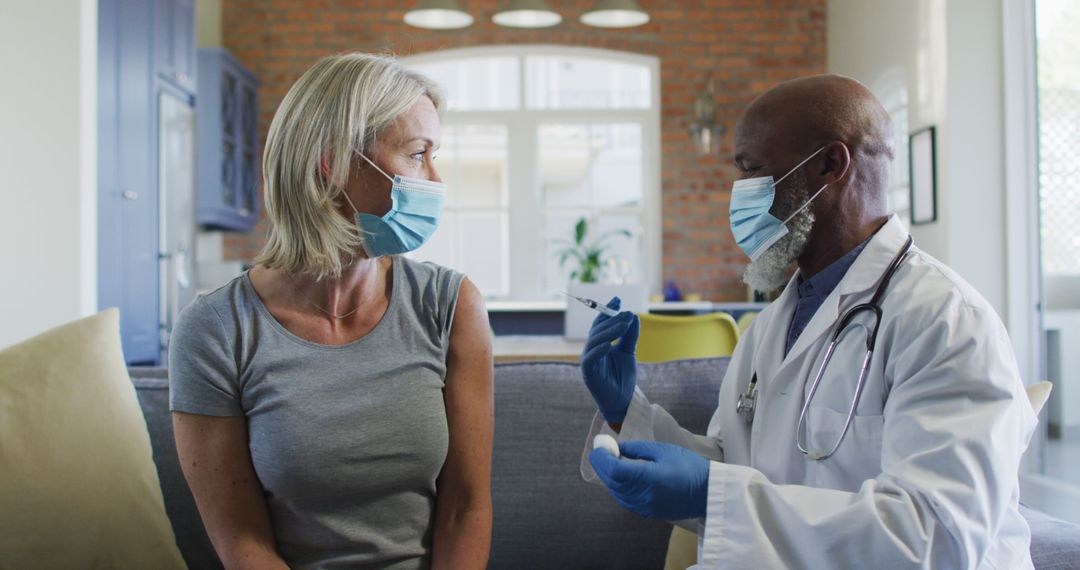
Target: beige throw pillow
(78, 488)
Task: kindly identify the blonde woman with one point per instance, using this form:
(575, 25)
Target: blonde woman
(333, 405)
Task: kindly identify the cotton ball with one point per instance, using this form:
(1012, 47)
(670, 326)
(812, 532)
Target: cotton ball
(606, 442)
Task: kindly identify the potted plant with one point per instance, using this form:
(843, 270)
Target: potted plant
(588, 257)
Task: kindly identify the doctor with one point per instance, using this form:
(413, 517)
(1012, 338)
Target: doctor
(873, 414)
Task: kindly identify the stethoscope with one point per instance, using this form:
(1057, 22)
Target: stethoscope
(747, 401)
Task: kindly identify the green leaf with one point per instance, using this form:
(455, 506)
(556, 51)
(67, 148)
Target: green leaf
(579, 230)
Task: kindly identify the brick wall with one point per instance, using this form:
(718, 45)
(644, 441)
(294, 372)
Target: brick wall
(748, 46)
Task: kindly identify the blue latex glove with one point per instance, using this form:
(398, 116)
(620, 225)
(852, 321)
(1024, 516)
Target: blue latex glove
(610, 371)
(671, 484)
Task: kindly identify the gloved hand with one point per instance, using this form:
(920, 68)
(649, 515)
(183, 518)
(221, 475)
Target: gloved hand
(610, 372)
(671, 484)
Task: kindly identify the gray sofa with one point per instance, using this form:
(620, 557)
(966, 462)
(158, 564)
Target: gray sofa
(545, 515)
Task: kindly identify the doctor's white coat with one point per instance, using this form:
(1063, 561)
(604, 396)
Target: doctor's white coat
(927, 475)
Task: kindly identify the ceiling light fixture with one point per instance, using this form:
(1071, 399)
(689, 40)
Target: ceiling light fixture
(527, 14)
(438, 15)
(615, 14)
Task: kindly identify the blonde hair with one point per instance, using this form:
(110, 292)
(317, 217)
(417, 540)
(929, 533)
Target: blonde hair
(337, 108)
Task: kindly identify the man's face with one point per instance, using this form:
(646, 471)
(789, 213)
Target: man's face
(760, 151)
(763, 149)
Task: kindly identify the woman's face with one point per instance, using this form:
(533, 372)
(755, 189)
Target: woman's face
(406, 147)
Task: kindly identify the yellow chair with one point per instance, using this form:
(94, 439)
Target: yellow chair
(665, 337)
(745, 319)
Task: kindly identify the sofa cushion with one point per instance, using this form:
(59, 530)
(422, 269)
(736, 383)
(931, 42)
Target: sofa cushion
(78, 488)
(546, 516)
(1055, 544)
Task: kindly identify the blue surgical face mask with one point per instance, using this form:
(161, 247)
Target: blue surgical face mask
(417, 207)
(754, 228)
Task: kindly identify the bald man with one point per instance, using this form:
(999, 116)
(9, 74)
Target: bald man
(822, 453)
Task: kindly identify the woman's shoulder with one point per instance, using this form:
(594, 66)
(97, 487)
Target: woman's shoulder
(216, 306)
(432, 290)
(425, 275)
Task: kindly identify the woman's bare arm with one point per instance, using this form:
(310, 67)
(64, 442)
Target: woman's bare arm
(463, 497)
(216, 462)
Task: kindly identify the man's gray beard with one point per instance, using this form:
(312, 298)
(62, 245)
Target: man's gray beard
(770, 271)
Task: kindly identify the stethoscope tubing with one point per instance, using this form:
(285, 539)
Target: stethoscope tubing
(747, 401)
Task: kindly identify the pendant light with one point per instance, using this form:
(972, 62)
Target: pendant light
(438, 15)
(615, 14)
(527, 14)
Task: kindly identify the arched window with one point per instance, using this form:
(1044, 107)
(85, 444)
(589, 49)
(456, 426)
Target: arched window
(535, 138)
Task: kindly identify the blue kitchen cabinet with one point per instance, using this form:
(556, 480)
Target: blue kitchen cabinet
(146, 57)
(174, 42)
(127, 185)
(228, 157)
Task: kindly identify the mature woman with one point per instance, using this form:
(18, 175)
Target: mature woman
(333, 405)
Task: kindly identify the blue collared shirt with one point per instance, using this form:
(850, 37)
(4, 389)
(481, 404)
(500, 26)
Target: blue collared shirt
(813, 291)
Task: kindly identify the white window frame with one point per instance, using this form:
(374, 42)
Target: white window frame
(528, 265)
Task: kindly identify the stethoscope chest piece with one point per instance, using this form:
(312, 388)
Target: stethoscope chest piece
(747, 402)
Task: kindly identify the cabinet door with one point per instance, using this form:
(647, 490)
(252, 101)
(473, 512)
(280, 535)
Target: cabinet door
(249, 156)
(174, 42)
(127, 216)
(228, 143)
(230, 139)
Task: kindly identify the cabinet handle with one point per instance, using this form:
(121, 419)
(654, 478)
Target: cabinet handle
(129, 195)
(245, 212)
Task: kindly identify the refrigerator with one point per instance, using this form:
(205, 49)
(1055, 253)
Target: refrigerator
(176, 217)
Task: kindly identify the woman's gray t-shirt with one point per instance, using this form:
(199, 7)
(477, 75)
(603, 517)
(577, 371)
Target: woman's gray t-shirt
(347, 441)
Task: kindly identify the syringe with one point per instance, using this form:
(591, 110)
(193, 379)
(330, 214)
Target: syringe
(593, 305)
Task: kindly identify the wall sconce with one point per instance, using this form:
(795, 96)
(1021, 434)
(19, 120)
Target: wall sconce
(527, 14)
(615, 14)
(705, 131)
(438, 15)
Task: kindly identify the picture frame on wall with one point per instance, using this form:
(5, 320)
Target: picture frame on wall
(923, 176)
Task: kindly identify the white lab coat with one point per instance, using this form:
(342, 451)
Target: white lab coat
(928, 473)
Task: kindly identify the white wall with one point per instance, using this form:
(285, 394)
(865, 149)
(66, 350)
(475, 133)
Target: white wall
(48, 57)
(947, 57)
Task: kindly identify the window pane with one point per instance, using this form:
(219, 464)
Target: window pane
(616, 166)
(483, 251)
(623, 256)
(475, 84)
(565, 160)
(621, 260)
(899, 189)
(563, 82)
(1059, 178)
(558, 231)
(597, 166)
(473, 162)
